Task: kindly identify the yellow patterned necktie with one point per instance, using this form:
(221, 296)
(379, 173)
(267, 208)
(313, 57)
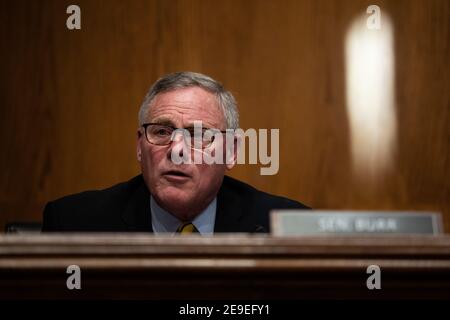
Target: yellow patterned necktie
(187, 227)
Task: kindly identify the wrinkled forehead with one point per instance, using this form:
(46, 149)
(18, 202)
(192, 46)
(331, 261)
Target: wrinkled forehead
(184, 106)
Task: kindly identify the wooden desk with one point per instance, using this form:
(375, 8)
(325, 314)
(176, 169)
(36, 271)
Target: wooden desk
(138, 266)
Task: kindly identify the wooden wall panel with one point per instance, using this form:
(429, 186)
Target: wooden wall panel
(69, 99)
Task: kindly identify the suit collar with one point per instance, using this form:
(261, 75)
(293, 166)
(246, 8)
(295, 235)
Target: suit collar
(230, 210)
(229, 214)
(163, 221)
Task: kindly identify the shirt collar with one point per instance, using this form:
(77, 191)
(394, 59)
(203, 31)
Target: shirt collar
(165, 222)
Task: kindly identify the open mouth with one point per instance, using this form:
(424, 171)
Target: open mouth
(176, 173)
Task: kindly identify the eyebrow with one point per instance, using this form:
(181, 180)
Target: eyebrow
(167, 122)
(164, 122)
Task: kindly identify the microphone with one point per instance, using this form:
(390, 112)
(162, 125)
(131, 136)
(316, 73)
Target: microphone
(259, 229)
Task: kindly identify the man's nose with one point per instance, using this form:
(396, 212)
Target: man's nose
(177, 147)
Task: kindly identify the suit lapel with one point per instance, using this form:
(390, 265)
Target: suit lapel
(230, 210)
(137, 213)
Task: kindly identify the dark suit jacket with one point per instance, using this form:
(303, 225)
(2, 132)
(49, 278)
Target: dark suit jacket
(126, 207)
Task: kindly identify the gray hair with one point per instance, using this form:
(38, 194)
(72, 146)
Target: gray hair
(181, 80)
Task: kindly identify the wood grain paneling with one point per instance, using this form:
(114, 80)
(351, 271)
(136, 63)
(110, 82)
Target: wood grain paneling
(69, 99)
(124, 266)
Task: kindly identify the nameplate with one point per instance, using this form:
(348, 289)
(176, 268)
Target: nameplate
(322, 222)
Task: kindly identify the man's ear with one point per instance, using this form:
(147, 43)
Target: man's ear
(231, 154)
(138, 145)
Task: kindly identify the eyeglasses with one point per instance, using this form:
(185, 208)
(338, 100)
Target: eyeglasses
(161, 135)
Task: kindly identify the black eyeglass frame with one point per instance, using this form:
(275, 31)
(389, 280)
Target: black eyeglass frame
(146, 125)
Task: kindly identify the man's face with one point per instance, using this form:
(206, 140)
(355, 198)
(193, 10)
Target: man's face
(185, 189)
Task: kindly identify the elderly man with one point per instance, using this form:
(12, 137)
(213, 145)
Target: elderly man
(175, 196)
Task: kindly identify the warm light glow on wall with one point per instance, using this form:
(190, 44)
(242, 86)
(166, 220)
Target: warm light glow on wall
(370, 97)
